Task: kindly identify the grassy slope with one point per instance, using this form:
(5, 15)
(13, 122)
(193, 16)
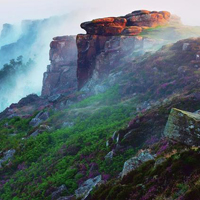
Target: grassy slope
(64, 156)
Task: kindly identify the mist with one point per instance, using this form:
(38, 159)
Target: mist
(21, 40)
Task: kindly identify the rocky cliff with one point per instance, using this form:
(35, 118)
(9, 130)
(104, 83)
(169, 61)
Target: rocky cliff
(61, 73)
(108, 40)
(108, 43)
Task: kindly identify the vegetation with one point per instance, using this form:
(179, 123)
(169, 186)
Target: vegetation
(66, 155)
(14, 68)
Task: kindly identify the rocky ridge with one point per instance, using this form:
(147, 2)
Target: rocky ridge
(107, 40)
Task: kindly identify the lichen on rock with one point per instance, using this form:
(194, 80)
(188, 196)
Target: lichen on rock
(184, 127)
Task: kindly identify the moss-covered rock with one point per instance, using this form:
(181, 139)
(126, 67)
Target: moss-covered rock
(184, 127)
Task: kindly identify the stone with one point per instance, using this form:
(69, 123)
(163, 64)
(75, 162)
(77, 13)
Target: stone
(108, 40)
(185, 46)
(98, 55)
(56, 194)
(151, 19)
(183, 127)
(6, 156)
(42, 128)
(60, 76)
(136, 161)
(84, 190)
(106, 26)
(109, 156)
(132, 30)
(39, 118)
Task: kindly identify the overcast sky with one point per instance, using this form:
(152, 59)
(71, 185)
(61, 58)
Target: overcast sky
(12, 11)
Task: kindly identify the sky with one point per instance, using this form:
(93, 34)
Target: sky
(13, 11)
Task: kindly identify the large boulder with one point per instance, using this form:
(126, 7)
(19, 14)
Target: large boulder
(105, 26)
(149, 19)
(184, 127)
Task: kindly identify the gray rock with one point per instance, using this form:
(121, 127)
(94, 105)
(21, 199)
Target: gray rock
(40, 117)
(6, 156)
(55, 195)
(84, 190)
(41, 129)
(115, 137)
(136, 161)
(183, 127)
(109, 156)
(185, 46)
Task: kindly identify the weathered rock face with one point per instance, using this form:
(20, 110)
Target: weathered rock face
(40, 117)
(61, 74)
(84, 190)
(136, 161)
(105, 26)
(98, 55)
(184, 127)
(109, 40)
(147, 18)
(132, 22)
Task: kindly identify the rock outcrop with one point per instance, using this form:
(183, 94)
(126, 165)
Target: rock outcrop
(131, 24)
(136, 161)
(109, 40)
(25, 107)
(61, 73)
(84, 190)
(39, 118)
(183, 127)
(7, 156)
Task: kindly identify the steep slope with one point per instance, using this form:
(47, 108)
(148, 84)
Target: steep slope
(110, 136)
